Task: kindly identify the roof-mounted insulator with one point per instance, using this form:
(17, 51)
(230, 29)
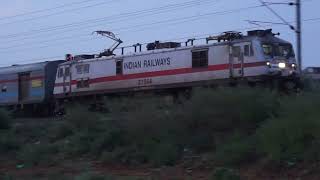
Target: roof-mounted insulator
(226, 36)
(163, 45)
(261, 33)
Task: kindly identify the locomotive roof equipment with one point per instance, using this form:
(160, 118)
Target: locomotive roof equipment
(226, 36)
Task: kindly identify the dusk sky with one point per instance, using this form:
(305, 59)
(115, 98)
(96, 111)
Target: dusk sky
(39, 30)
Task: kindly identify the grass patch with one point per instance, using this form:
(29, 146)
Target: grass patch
(8, 142)
(235, 125)
(150, 130)
(225, 174)
(92, 176)
(290, 136)
(95, 176)
(38, 155)
(240, 150)
(212, 116)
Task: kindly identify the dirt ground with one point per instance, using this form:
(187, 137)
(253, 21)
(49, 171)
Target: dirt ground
(70, 169)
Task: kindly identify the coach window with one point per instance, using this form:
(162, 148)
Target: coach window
(60, 72)
(119, 67)
(236, 51)
(200, 58)
(79, 69)
(86, 68)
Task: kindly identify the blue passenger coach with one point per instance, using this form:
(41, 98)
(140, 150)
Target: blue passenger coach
(29, 84)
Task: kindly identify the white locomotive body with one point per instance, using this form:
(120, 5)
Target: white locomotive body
(254, 57)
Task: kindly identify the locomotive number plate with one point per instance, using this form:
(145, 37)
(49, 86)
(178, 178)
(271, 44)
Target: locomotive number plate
(144, 82)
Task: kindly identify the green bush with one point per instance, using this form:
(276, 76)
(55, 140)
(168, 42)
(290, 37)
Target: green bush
(128, 155)
(164, 154)
(225, 174)
(54, 176)
(142, 151)
(39, 154)
(106, 137)
(238, 151)
(80, 118)
(6, 177)
(4, 119)
(235, 125)
(8, 142)
(148, 131)
(92, 176)
(88, 132)
(212, 115)
(310, 85)
(60, 131)
(95, 176)
(110, 135)
(291, 136)
(151, 130)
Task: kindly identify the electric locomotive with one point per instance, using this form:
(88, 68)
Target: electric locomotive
(259, 56)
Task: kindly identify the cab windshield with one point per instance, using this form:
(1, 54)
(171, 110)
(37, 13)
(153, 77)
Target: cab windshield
(277, 50)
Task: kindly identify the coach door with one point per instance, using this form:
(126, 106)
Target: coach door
(236, 61)
(67, 79)
(24, 86)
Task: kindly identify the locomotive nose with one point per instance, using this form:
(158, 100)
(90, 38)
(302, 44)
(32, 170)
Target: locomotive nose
(281, 68)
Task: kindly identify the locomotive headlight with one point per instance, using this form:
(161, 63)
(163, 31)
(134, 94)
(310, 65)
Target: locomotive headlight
(282, 65)
(268, 64)
(293, 65)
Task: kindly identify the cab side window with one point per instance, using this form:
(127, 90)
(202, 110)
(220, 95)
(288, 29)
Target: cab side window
(67, 71)
(83, 69)
(267, 49)
(86, 68)
(60, 72)
(79, 69)
(248, 50)
(236, 51)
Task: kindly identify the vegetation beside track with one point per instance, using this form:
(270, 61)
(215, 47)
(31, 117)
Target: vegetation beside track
(217, 130)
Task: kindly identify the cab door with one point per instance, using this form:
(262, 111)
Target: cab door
(67, 80)
(236, 61)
